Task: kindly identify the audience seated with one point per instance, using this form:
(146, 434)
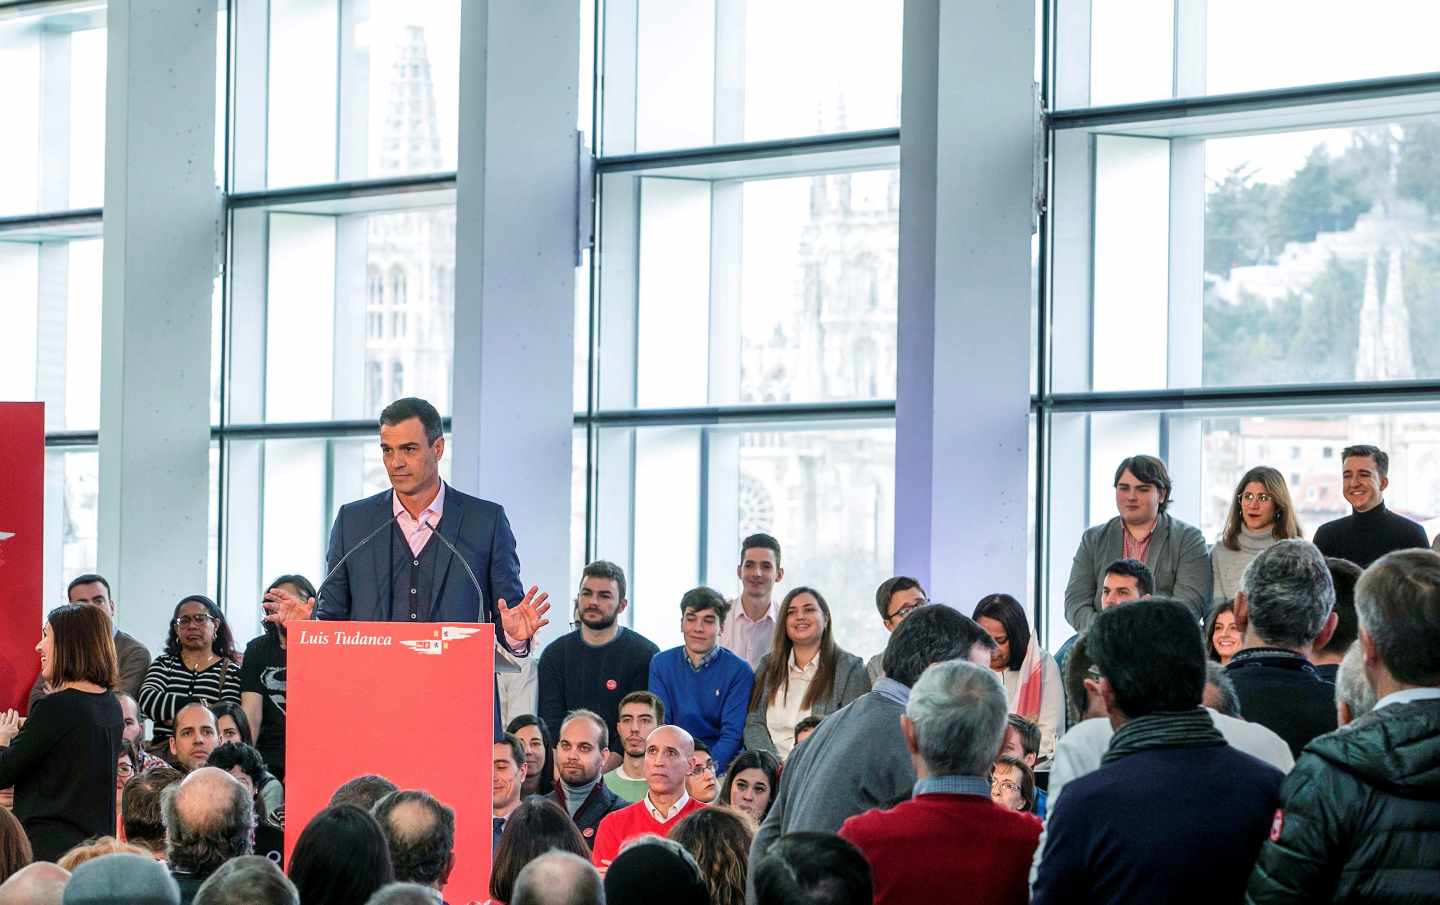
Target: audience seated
(651, 870)
(63, 762)
(667, 763)
(807, 726)
(1260, 514)
(1286, 604)
(405, 894)
(813, 869)
(1370, 530)
(208, 818)
(1173, 551)
(125, 878)
(1220, 697)
(132, 658)
(340, 858)
(98, 848)
(243, 762)
(805, 672)
(1029, 674)
(857, 759)
(718, 838)
(41, 883)
(640, 713)
(895, 599)
(1353, 695)
(194, 736)
(1022, 742)
(751, 625)
(1223, 637)
(1012, 785)
(125, 770)
(1125, 581)
(14, 845)
(1358, 818)
(141, 822)
(559, 878)
(704, 687)
(134, 729)
(539, 754)
(420, 833)
(247, 880)
(750, 784)
(363, 791)
(231, 724)
(580, 754)
(949, 841)
(507, 778)
(702, 783)
(1081, 694)
(1168, 774)
(199, 664)
(1326, 660)
(600, 662)
(263, 683)
(536, 827)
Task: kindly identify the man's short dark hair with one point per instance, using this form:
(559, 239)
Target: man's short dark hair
(238, 754)
(608, 571)
(1134, 568)
(649, 699)
(247, 880)
(928, 635)
(701, 746)
(1343, 574)
(140, 807)
(1151, 655)
(1028, 731)
(701, 599)
(1007, 611)
(88, 578)
(806, 724)
(1077, 670)
(420, 854)
(402, 410)
(602, 729)
(363, 791)
(813, 869)
(1365, 450)
(201, 849)
(517, 747)
(1398, 602)
(889, 588)
(1148, 470)
(762, 542)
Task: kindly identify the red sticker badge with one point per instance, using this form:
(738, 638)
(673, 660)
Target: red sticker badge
(588, 832)
(1277, 825)
(611, 684)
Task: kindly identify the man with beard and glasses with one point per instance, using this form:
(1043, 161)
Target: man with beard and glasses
(600, 662)
(583, 746)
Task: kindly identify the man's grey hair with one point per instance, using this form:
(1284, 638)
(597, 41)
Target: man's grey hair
(1289, 593)
(959, 711)
(558, 878)
(247, 880)
(1397, 601)
(405, 894)
(1352, 687)
(199, 847)
(1218, 679)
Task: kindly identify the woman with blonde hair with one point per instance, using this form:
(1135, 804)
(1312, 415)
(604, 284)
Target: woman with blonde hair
(1260, 514)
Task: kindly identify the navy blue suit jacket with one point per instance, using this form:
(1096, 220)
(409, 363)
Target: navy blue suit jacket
(362, 590)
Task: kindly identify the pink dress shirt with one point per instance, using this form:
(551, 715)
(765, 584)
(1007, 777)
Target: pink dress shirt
(746, 638)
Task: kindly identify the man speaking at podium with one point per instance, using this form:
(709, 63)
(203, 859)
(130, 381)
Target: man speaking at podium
(410, 573)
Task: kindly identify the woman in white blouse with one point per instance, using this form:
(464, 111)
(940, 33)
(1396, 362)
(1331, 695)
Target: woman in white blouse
(1029, 674)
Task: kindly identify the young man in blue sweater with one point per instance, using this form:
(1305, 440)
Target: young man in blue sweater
(705, 688)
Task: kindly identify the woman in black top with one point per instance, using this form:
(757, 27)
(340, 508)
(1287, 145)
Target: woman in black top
(199, 664)
(262, 680)
(63, 761)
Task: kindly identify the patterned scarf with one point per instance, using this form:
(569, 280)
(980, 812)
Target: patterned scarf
(1173, 729)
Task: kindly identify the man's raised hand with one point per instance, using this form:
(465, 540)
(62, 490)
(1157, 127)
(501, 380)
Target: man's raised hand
(523, 620)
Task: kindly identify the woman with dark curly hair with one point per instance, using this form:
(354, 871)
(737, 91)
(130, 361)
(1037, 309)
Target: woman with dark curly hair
(719, 838)
(199, 664)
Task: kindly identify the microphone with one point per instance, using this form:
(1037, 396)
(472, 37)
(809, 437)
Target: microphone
(479, 592)
(331, 574)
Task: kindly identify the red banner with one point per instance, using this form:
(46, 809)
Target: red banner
(411, 702)
(22, 547)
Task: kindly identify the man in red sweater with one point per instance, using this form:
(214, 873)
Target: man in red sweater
(950, 836)
(668, 750)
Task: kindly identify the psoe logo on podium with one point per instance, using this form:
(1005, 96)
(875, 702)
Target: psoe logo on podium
(441, 642)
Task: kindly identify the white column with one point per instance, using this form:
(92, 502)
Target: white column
(964, 333)
(161, 231)
(515, 276)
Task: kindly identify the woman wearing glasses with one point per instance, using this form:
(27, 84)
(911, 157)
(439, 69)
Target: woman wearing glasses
(199, 664)
(1260, 515)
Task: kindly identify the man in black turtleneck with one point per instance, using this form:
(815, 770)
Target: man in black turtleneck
(1371, 530)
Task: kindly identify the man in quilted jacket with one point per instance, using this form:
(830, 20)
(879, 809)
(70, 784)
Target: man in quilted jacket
(1359, 817)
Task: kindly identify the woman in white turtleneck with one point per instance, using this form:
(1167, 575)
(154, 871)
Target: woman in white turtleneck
(1260, 515)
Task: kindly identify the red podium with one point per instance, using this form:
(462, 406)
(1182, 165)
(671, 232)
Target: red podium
(411, 702)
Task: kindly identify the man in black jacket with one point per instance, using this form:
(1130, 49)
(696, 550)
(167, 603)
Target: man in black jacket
(1359, 818)
(420, 832)
(580, 756)
(1286, 607)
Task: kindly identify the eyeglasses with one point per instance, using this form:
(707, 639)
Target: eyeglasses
(195, 619)
(125, 769)
(907, 609)
(703, 769)
(1005, 785)
(1253, 497)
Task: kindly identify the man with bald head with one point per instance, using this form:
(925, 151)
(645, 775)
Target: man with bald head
(41, 883)
(558, 878)
(209, 819)
(195, 736)
(421, 834)
(668, 750)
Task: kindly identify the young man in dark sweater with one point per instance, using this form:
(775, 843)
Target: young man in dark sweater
(1371, 530)
(600, 662)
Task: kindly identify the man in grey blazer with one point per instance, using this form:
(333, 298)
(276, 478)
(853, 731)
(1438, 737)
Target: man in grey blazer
(1174, 551)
